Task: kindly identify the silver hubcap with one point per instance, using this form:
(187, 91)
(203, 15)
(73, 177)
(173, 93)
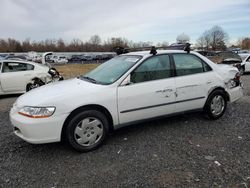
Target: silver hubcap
(88, 131)
(217, 105)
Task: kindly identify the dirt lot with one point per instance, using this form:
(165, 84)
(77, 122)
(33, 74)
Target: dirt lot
(182, 151)
(74, 70)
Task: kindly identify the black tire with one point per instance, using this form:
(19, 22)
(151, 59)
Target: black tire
(208, 109)
(76, 121)
(32, 86)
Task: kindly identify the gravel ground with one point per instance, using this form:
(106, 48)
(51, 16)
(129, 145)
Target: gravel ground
(182, 151)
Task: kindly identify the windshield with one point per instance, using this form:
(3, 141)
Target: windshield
(112, 70)
(243, 56)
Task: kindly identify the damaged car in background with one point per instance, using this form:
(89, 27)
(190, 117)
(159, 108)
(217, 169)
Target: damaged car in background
(17, 76)
(245, 62)
(226, 57)
(241, 61)
(129, 88)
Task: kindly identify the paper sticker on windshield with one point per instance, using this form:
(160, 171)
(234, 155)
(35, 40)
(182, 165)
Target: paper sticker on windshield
(132, 59)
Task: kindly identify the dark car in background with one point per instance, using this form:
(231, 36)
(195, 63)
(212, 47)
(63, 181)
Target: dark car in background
(76, 58)
(17, 57)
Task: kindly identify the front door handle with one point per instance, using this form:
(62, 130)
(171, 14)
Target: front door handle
(167, 90)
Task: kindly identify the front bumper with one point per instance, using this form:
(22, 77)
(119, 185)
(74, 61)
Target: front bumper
(37, 131)
(235, 93)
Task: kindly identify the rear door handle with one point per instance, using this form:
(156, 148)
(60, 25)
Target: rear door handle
(27, 75)
(159, 91)
(164, 91)
(167, 90)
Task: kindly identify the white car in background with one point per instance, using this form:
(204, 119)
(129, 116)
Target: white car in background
(126, 89)
(16, 76)
(59, 59)
(245, 62)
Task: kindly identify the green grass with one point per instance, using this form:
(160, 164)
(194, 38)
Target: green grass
(74, 70)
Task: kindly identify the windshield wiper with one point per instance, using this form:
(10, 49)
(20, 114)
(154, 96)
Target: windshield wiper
(89, 79)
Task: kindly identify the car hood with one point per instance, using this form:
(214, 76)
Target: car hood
(61, 91)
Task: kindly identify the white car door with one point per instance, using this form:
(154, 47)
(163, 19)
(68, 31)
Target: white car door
(151, 92)
(15, 76)
(247, 65)
(193, 80)
(1, 90)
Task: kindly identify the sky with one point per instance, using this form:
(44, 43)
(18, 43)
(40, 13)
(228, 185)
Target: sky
(137, 20)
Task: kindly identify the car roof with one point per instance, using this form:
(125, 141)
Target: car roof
(18, 61)
(21, 61)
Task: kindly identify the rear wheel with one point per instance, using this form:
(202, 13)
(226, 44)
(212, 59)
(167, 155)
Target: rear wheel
(87, 130)
(216, 104)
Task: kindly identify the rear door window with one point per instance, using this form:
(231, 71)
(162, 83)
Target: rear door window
(248, 59)
(187, 64)
(17, 67)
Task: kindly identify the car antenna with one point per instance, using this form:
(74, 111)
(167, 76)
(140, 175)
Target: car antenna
(153, 50)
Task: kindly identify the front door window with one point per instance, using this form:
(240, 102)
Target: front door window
(154, 68)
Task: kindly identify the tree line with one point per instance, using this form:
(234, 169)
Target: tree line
(94, 44)
(212, 39)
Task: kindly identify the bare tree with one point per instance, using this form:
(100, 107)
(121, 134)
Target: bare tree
(201, 42)
(162, 44)
(219, 38)
(216, 38)
(3, 45)
(142, 44)
(60, 45)
(26, 45)
(204, 41)
(244, 43)
(95, 40)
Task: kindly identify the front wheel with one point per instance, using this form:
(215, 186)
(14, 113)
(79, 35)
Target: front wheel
(87, 130)
(216, 104)
(32, 86)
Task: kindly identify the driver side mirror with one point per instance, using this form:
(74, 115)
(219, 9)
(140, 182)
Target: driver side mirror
(127, 81)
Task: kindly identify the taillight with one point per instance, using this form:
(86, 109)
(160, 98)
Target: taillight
(237, 78)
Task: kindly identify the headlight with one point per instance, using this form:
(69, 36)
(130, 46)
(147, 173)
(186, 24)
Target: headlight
(37, 112)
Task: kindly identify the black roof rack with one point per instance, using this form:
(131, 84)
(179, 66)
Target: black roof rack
(153, 50)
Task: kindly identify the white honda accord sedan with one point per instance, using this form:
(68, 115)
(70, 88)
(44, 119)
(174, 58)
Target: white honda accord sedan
(126, 89)
(16, 75)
